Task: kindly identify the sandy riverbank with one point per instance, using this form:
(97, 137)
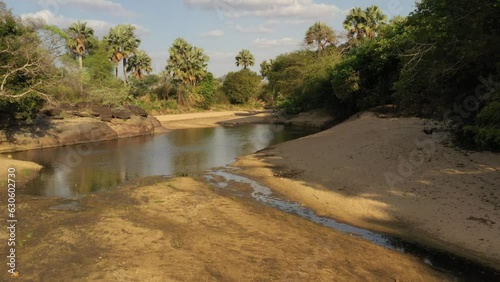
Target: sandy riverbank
(25, 171)
(183, 229)
(316, 119)
(357, 172)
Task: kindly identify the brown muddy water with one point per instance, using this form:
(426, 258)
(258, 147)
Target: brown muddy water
(74, 171)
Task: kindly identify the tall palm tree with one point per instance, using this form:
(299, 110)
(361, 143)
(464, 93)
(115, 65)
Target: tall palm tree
(355, 23)
(245, 58)
(186, 65)
(265, 67)
(113, 42)
(321, 35)
(123, 43)
(138, 64)
(374, 18)
(80, 40)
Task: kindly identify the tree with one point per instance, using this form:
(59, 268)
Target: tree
(80, 40)
(26, 67)
(138, 64)
(361, 23)
(245, 58)
(240, 86)
(374, 18)
(97, 65)
(187, 65)
(321, 35)
(355, 23)
(265, 67)
(123, 43)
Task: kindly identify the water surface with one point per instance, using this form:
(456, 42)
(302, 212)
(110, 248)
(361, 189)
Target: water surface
(73, 171)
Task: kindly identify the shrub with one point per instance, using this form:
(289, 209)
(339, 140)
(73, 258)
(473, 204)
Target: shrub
(23, 108)
(239, 87)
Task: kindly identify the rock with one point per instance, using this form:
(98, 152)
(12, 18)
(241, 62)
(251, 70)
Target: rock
(52, 112)
(121, 113)
(105, 113)
(73, 131)
(135, 110)
(79, 114)
(86, 132)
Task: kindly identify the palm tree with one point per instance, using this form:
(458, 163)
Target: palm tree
(80, 40)
(138, 64)
(123, 43)
(245, 59)
(374, 18)
(321, 35)
(364, 23)
(265, 67)
(355, 23)
(186, 65)
(113, 42)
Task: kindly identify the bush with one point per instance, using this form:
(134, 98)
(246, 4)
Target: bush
(239, 87)
(141, 87)
(24, 108)
(207, 88)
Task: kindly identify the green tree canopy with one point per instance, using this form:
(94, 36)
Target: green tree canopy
(245, 58)
(139, 64)
(239, 87)
(123, 43)
(265, 66)
(320, 35)
(80, 40)
(361, 23)
(187, 65)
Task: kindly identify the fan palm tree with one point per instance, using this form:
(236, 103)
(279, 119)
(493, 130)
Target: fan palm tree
(265, 67)
(139, 64)
(123, 43)
(321, 35)
(355, 23)
(186, 65)
(80, 40)
(245, 58)
(113, 42)
(374, 18)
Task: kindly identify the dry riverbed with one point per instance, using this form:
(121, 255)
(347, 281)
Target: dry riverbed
(182, 229)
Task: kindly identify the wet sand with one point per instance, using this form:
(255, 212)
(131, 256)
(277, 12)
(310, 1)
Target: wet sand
(387, 175)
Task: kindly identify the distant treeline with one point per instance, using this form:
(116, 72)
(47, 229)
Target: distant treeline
(442, 61)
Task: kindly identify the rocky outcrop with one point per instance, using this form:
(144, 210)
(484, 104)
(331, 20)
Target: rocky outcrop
(48, 132)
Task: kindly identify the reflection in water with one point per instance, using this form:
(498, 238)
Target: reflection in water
(77, 170)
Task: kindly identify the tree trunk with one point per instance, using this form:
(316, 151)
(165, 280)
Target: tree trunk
(80, 60)
(125, 70)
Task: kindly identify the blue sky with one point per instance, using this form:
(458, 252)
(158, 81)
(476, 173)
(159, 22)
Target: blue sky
(221, 27)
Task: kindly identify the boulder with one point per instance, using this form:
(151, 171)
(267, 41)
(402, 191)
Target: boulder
(121, 113)
(135, 110)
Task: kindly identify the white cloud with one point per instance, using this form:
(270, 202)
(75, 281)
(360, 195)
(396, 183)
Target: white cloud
(213, 33)
(107, 6)
(303, 9)
(253, 29)
(100, 27)
(266, 43)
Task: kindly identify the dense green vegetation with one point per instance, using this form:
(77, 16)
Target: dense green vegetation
(441, 61)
